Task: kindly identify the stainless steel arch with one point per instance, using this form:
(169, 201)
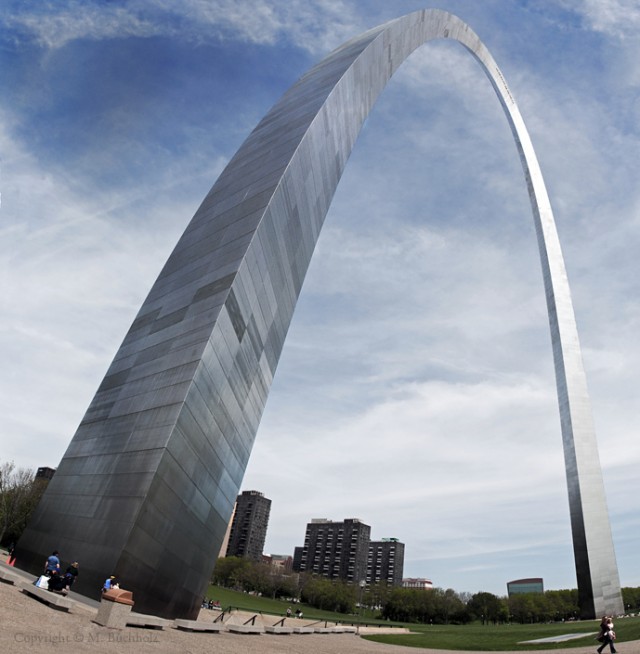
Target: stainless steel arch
(147, 485)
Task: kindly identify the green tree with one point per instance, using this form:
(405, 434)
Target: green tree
(486, 607)
(522, 608)
(448, 606)
(631, 598)
(377, 594)
(413, 605)
(257, 578)
(20, 493)
(283, 585)
(330, 595)
(229, 572)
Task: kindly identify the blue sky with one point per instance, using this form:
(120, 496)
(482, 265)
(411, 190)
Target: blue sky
(416, 388)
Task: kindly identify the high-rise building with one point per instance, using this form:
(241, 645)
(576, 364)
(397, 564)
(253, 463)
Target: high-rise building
(336, 550)
(249, 525)
(45, 473)
(385, 562)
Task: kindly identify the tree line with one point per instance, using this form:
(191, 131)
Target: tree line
(435, 606)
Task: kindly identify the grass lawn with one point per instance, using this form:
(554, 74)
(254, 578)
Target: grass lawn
(491, 638)
(231, 598)
(487, 638)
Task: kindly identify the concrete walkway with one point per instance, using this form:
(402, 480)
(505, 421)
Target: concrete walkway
(27, 625)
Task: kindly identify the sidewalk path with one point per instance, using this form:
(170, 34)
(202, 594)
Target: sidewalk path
(28, 626)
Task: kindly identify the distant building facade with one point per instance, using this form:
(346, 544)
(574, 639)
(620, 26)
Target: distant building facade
(335, 550)
(227, 534)
(418, 583)
(297, 558)
(45, 473)
(249, 525)
(520, 586)
(280, 562)
(385, 562)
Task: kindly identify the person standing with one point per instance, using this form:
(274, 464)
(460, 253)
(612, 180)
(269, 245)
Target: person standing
(607, 634)
(71, 574)
(12, 554)
(52, 564)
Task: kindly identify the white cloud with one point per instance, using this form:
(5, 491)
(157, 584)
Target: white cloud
(314, 26)
(416, 387)
(75, 268)
(618, 18)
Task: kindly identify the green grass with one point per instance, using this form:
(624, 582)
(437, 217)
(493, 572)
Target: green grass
(489, 638)
(486, 638)
(237, 600)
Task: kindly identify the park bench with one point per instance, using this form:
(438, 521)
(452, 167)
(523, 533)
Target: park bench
(278, 628)
(8, 576)
(146, 621)
(198, 625)
(248, 627)
(303, 630)
(245, 628)
(54, 600)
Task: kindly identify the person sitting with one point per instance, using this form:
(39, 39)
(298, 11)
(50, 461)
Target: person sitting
(110, 584)
(57, 583)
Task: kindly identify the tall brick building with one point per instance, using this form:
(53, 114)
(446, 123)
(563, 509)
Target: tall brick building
(249, 525)
(385, 562)
(336, 550)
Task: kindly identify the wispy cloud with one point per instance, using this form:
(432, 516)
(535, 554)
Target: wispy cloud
(314, 26)
(617, 18)
(416, 389)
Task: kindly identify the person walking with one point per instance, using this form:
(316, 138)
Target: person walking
(71, 574)
(607, 634)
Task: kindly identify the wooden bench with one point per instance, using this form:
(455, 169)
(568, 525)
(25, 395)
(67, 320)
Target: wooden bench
(147, 621)
(198, 625)
(54, 600)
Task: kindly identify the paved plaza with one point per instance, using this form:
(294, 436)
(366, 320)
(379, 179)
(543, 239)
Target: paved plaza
(27, 625)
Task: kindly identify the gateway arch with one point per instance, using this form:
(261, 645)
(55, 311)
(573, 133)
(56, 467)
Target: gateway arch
(147, 485)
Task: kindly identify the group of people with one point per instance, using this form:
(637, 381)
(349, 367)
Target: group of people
(61, 583)
(57, 580)
(607, 635)
(298, 613)
(210, 604)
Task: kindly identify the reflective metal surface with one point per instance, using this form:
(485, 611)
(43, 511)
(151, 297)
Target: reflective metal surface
(147, 485)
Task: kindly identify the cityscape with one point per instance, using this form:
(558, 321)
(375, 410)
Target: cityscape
(413, 443)
(336, 550)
